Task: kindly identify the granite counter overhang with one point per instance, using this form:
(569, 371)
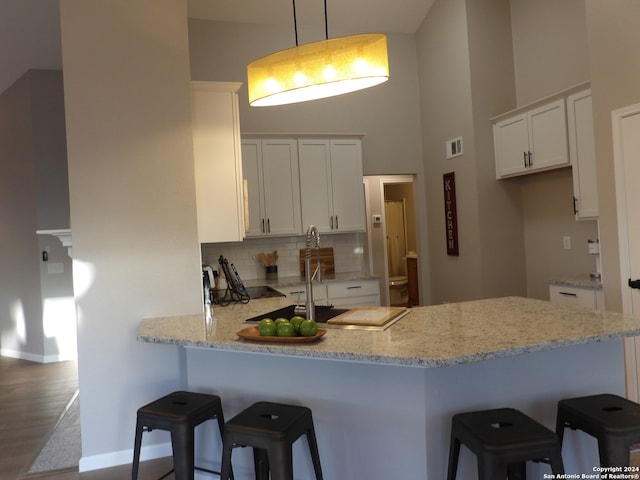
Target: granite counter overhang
(434, 336)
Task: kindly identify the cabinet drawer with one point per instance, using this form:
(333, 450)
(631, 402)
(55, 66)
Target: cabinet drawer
(299, 292)
(584, 297)
(352, 289)
(359, 301)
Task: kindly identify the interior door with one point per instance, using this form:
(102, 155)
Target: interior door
(626, 144)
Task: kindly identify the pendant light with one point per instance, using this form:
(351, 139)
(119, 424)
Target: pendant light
(319, 69)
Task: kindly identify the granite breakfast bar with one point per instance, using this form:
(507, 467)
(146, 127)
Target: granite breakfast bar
(382, 400)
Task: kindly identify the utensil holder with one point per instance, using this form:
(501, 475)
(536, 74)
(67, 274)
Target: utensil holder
(272, 272)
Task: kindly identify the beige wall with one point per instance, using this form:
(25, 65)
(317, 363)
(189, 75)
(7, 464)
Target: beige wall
(613, 37)
(550, 55)
(548, 210)
(133, 213)
(549, 45)
(33, 196)
(466, 77)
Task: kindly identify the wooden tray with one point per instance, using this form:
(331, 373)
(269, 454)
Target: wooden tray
(253, 334)
(368, 316)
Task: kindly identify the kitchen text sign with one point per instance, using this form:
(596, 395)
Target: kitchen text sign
(450, 212)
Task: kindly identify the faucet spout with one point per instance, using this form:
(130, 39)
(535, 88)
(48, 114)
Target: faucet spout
(312, 232)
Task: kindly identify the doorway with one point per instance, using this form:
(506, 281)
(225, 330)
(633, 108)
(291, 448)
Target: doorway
(626, 149)
(392, 237)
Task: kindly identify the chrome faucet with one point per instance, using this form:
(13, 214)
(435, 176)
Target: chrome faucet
(310, 307)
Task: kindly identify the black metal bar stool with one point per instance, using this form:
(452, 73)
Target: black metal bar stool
(179, 413)
(503, 440)
(271, 429)
(614, 421)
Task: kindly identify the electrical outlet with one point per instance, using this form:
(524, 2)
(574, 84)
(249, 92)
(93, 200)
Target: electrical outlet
(566, 242)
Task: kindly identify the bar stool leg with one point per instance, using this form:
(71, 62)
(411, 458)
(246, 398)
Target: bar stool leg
(613, 452)
(517, 471)
(281, 462)
(454, 453)
(315, 453)
(488, 470)
(225, 468)
(183, 444)
(557, 466)
(136, 451)
(261, 464)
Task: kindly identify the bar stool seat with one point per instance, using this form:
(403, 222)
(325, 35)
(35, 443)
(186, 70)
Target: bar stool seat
(271, 429)
(179, 413)
(613, 420)
(503, 440)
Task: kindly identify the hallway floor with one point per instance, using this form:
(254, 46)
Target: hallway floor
(33, 397)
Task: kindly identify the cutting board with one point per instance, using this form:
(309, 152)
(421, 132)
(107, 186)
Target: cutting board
(369, 316)
(326, 261)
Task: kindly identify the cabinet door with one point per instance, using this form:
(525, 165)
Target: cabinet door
(531, 141)
(582, 154)
(348, 188)
(315, 183)
(216, 142)
(511, 143)
(548, 136)
(254, 196)
(281, 183)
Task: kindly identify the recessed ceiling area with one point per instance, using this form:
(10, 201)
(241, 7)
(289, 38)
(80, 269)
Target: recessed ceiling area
(360, 16)
(30, 29)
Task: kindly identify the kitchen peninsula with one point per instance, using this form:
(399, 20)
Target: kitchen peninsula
(382, 400)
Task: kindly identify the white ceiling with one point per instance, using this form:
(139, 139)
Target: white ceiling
(30, 29)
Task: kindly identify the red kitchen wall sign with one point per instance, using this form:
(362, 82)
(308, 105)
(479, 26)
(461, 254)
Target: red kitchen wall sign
(450, 212)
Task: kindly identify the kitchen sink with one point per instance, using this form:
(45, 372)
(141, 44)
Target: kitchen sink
(323, 313)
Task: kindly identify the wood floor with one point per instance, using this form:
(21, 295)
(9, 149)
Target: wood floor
(32, 398)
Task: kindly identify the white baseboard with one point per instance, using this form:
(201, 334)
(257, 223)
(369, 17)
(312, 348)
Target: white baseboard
(113, 459)
(4, 352)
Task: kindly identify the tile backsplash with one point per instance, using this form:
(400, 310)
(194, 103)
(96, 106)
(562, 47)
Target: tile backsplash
(348, 251)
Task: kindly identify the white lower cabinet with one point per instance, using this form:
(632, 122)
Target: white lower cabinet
(584, 297)
(354, 293)
(298, 293)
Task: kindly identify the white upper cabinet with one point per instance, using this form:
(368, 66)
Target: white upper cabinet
(531, 140)
(270, 168)
(582, 154)
(217, 162)
(332, 192)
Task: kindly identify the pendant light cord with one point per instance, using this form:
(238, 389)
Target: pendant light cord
(295, 22)
(326, 24)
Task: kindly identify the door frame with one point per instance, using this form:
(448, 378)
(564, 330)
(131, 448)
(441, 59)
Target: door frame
(383, 180)
(632, 345)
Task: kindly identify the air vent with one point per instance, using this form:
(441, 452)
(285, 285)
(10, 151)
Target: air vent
(454, 147)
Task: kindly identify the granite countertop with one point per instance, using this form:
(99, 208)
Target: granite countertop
(579, 281)
(435, 336)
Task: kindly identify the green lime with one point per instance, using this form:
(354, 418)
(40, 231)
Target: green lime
(281, 320)
(296, 321)
(285, 329)
(267, 327)
(308, 328)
